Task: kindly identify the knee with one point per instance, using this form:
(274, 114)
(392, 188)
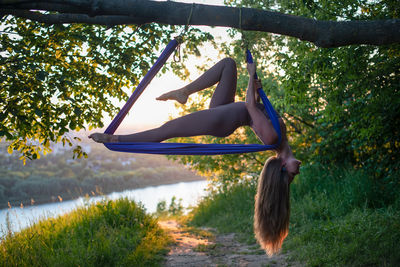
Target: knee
(229, 62)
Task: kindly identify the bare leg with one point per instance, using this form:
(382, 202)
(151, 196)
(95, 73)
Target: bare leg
(223, 72)
(220, 121)
(213, 121)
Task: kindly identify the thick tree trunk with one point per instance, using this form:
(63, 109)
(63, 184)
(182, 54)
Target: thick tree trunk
(113, 12)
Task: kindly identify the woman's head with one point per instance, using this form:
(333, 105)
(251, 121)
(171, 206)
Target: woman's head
(292, 166)
(272, 208)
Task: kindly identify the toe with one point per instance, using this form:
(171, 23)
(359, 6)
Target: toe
(162, 97)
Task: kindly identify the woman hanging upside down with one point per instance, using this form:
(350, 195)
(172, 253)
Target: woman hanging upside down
(222, 118)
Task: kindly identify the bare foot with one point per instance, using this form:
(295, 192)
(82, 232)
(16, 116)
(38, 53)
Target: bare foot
(104, 138)
(177, 95)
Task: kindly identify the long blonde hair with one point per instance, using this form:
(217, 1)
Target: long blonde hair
(272, 207)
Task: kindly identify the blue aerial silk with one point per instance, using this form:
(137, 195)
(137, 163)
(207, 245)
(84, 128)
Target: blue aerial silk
(185, 148)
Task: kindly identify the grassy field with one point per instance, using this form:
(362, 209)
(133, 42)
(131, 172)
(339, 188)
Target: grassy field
(339, 217)
(111, 233)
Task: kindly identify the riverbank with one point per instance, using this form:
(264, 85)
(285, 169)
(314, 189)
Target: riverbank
(58, 177)
(110, 233)
(339, 227)
(173, 197)
(39, 200)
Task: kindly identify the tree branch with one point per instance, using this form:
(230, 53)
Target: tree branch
(295, 128)
(301, 120)
(321, 33)
(52, 19)
(253, 157)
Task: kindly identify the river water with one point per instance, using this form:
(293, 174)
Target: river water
(20, 218)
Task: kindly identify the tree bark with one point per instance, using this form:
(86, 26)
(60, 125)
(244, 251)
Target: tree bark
(115, 12)
(52, 19)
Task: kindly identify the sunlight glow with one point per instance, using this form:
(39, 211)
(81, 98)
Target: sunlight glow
(147, 112)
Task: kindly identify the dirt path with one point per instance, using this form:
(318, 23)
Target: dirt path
(201, 247)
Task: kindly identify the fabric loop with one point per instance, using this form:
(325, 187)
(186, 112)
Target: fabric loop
(184, 148)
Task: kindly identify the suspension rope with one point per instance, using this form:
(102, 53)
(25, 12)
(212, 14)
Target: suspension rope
(185, 29)
(177, 53)
(244, 39)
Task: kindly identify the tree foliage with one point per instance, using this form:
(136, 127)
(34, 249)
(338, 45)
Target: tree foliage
(341, 105)
(350, 94)
(59, 78)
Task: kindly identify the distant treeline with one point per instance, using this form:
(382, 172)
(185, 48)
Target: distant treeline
(57, 176)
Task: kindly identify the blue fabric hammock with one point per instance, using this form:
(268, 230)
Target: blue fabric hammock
(184, 148)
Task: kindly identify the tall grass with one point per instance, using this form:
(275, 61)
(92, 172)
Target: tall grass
(339, 217)
(231, 211)
(111, 233)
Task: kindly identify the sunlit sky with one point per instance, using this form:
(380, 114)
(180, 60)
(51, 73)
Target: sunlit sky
(147, 112)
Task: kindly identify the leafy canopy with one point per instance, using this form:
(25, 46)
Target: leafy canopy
(341, 105)
(60, 78)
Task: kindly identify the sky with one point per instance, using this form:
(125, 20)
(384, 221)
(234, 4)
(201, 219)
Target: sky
(147, 112)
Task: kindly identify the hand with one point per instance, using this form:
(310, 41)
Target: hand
(251, 68)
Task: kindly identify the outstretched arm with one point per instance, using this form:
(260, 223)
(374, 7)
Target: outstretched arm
(252, 87)
(260, 124)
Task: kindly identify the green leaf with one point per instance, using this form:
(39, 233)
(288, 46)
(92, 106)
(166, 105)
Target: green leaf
(38, 112)
(41, 75)
(72, 125)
